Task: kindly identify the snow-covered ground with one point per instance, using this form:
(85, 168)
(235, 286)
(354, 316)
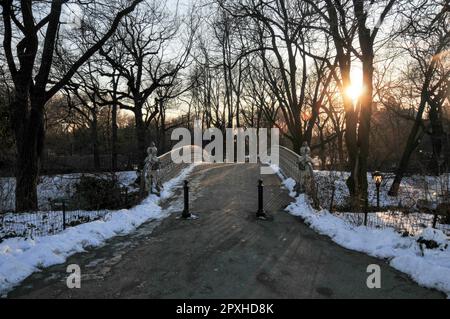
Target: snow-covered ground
(21, 257)
(53, 187)
(406, 223)
(428, 267)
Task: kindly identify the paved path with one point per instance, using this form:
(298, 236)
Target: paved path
(226, 253)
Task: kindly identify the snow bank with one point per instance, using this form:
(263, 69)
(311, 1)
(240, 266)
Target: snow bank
(428, 267)
(20, 257)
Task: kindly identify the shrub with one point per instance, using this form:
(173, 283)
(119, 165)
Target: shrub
(93, 193)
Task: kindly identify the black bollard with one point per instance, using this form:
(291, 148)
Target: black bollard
(435, 217)
(378, 195)
(186, 213)
(260, 213)
(64, 214)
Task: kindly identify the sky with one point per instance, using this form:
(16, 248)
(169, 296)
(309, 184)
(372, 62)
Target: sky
(183, 6)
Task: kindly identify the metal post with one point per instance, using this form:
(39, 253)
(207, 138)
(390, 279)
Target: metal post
(435, 220)
(186, 213)
(142, 184)
(260, 212)
(64, 214)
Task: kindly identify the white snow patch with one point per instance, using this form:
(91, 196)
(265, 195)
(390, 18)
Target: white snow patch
(428, 267)
(20, 257)
(289, 183)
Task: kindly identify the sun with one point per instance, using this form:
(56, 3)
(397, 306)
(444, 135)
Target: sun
(354, 92)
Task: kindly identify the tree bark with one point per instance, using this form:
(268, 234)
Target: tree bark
(340, 144)
(114, 126)
(140, 136)
(350, 132)
(437, 132)
(29, 143)
(94, 141)
(162, 136)
(364, 122)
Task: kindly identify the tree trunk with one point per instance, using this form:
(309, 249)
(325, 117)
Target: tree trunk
(114, 127)
(311, 122)
(350, 136)
(366, 42)
(29, 133)
(413, 139)
(341, 151)
(344, 61)
(323, 157)
(140, 136)
(413, 142)
(437, 134)
(94, 141)
(114, 138)
(162, 135)
(364, 122)
(296, 144)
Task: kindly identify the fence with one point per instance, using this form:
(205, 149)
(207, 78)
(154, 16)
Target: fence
(407, 222)
(31, 225)
(67, 213)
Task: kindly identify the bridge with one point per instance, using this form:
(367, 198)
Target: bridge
(226, 253)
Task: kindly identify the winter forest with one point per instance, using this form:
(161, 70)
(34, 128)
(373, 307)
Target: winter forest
(86, 87)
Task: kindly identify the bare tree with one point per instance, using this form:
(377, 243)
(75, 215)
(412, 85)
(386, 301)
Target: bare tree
(140, 52)
(367, 39)
(344, 21)
(281, 39)
(85, 97)
(427, 38)
(33, 28)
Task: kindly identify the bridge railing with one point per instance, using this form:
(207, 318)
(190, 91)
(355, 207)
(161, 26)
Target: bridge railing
(289, 163)
(169, 169)
(289, 166)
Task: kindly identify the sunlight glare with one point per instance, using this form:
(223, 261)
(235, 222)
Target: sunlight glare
(354, 92)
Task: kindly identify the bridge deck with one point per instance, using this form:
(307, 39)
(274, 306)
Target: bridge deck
(226, 253)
